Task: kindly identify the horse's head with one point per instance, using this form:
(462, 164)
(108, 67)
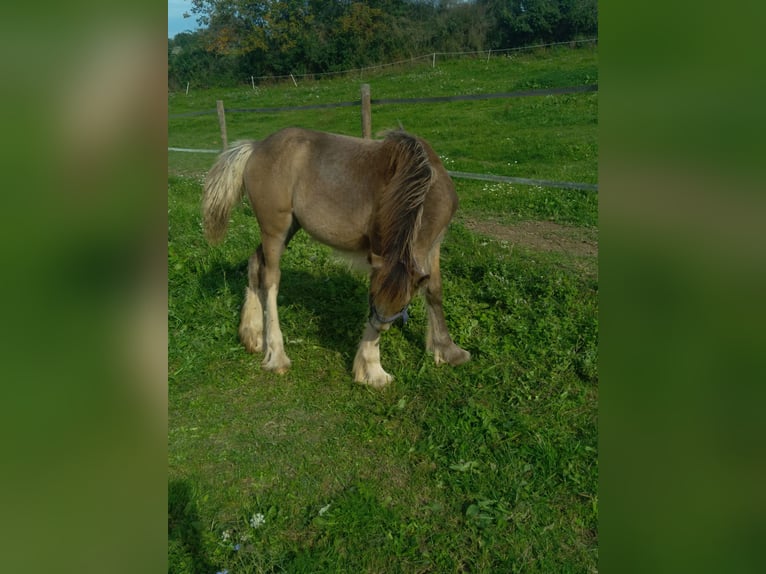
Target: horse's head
(392, 286)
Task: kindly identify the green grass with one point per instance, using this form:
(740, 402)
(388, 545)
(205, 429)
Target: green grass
(489, 467)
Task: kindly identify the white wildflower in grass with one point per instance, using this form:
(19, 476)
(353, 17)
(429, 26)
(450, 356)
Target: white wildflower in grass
(257, 520)
(324, 509)
(225, 536)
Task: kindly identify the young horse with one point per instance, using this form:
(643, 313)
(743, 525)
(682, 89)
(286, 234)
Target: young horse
(389, 201)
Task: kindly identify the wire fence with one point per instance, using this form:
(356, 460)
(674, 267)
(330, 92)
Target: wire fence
(466, 175)
(384, 101)
(432, 57)
(437, 99)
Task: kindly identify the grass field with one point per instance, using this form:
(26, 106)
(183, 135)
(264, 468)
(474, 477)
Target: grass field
(488, 467)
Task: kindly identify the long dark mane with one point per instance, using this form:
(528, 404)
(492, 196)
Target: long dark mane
(399, 210)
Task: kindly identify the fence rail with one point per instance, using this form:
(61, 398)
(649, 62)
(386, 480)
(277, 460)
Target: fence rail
(524, 180)
(365, 103)
(384, 101)
(465, 175)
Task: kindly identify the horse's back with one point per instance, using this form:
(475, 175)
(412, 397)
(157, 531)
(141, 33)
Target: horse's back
(331, 185)
(326, 180)
(289, 142)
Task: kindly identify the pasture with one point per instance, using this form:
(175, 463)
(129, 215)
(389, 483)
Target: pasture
(487, 467)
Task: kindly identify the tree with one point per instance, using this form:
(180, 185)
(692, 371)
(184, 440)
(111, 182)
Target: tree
(579, 18)
(263, 37)
(460, 26)
(240, 26)
(358, 32)
(189, 61)
(523, 22)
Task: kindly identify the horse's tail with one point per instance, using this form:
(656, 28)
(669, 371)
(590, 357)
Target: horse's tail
(224, 188)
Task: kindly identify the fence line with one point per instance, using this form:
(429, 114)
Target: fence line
(365, 102)
(466, 175)
(524, 180)
(189, 150)
(430, 56)
(384, 101)
(473, 97)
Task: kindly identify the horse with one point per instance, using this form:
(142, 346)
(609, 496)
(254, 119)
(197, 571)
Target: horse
(385, 201)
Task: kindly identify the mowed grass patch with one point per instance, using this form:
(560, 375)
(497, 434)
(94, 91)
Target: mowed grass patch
(487, 467)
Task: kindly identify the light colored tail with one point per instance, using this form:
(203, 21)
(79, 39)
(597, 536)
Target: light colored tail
(224, 188)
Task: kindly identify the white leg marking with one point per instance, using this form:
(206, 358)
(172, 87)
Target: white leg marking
(276, 359)
(251, 324)
(367, 367)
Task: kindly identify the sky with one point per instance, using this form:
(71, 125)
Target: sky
(176, 22)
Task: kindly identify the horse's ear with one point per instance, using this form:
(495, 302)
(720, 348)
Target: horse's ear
(375, 260)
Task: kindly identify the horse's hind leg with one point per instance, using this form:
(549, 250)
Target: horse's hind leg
(276, 359)
(438, 340)
(251, 323)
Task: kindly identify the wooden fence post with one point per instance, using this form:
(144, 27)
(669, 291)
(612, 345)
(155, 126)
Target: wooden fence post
(222, 122)
(366, 112)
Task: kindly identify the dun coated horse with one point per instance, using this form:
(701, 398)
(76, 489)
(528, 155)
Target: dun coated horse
(388, 201)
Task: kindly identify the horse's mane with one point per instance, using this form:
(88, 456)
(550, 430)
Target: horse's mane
(399, 206)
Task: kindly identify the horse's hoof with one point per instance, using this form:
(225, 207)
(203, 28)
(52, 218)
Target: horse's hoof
(253, 342)
(253, 348)
(460, 357)
(279, 365)
(452, 355)
(376, 381)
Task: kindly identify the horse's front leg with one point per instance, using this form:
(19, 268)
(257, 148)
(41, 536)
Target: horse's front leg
(438, 340)
(367, 368)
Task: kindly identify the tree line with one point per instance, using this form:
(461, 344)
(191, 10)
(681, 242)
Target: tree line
(244, 38)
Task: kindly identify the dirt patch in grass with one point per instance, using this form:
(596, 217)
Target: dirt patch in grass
(540, 235)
